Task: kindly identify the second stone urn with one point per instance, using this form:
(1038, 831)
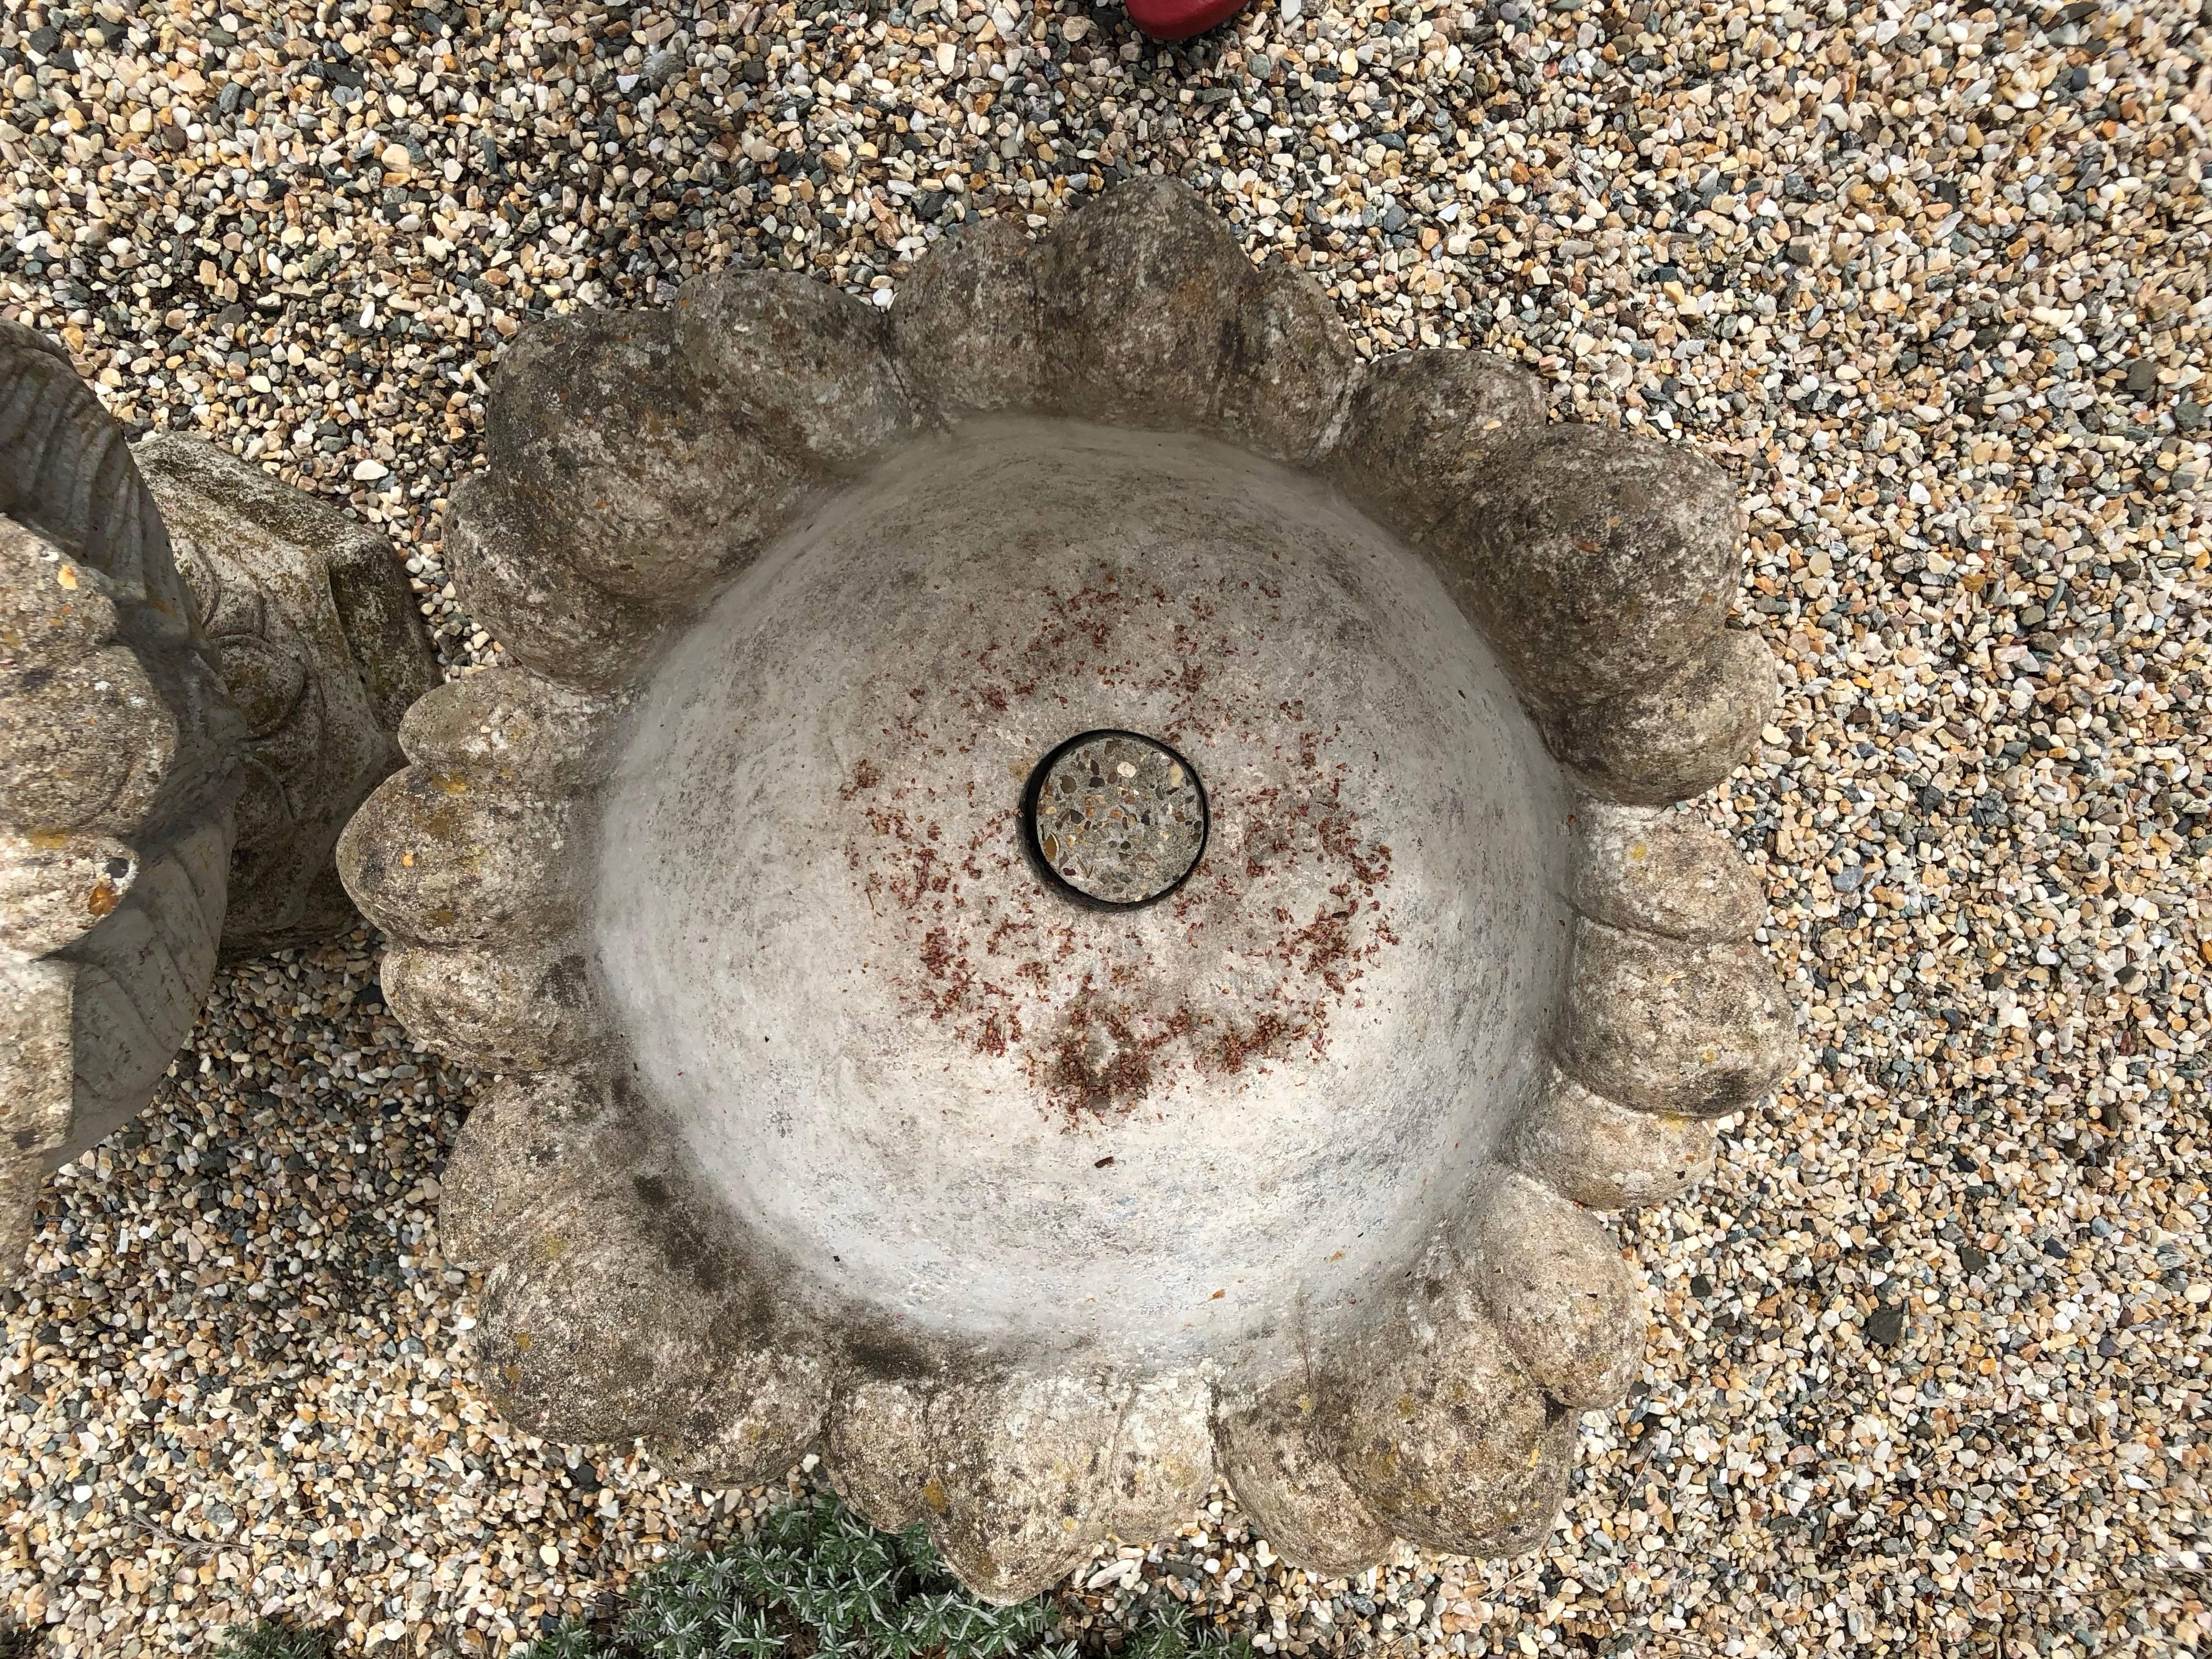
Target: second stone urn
(201, 670)
(1069, 890)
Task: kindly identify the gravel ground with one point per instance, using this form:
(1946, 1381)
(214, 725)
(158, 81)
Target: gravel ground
(1926, 1362)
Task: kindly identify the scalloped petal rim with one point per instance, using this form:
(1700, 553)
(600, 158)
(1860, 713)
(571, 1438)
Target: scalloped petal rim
(1600, 567)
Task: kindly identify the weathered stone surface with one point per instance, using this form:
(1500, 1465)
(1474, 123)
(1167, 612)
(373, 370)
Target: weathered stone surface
(546, 615)
(763, 1404)
(1161, 1461)
(1153, 317)
(607, 1273)
(318, 642)
(969, 328)
(1607, 1156)
(1420, 428)
(66, 478)
(446, 859)
(140, 976)
(1662, 1026)
(1679, 736)
(332, 578)
(1293, 364)
(55, 887)
(800, 366)
(1141, 310)
(1279, 1453)
(51, 611)
(597, 1319)
(516, 728)
(1593, 560)
(880, 1456)
(1017, 1475)
(623, 462)
(1559, 1291)
(132, 710)
(560, 1181)
(503, 1006)
(832, 752)
(65, 469)
(86, 745)
(528, 1139)
(1142, 294)
(1663, 873)
(85, 742)
(1449, 1441)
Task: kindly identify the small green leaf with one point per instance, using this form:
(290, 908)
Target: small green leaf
(270, 1640)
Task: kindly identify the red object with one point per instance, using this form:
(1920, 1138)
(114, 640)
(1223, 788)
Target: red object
(1178, 19)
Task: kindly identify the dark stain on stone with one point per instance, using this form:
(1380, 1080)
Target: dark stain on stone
(682, 1247)
(887, 1355)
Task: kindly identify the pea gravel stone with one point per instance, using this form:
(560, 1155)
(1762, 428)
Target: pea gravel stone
(1120, 818)
(1979, 812)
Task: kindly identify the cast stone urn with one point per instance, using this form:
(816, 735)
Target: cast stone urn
(201, 671)
(1070, 893)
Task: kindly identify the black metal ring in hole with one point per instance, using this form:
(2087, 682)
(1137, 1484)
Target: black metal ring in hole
(1034, 848)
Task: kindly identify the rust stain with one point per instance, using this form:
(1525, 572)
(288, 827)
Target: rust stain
(865, 776)
(1008, 969)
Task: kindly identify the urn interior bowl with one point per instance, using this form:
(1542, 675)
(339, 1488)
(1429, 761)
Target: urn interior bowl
(976, 1108)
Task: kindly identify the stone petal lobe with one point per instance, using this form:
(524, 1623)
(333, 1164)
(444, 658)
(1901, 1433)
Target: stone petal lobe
(432, 856)
(1421, 428)
(626, 465)
(501, 1006)
(800, 366)
(1280, 1454)
(1596, 1152)
(1678, 736)
(1559, 1291)
(545, 614)
(1593, 560)
(1664, 874)
(1701, 1030)
(1448, 1440)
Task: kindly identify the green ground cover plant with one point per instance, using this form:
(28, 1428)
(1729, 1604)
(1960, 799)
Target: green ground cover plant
(271, 1640)
(816, 1582)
